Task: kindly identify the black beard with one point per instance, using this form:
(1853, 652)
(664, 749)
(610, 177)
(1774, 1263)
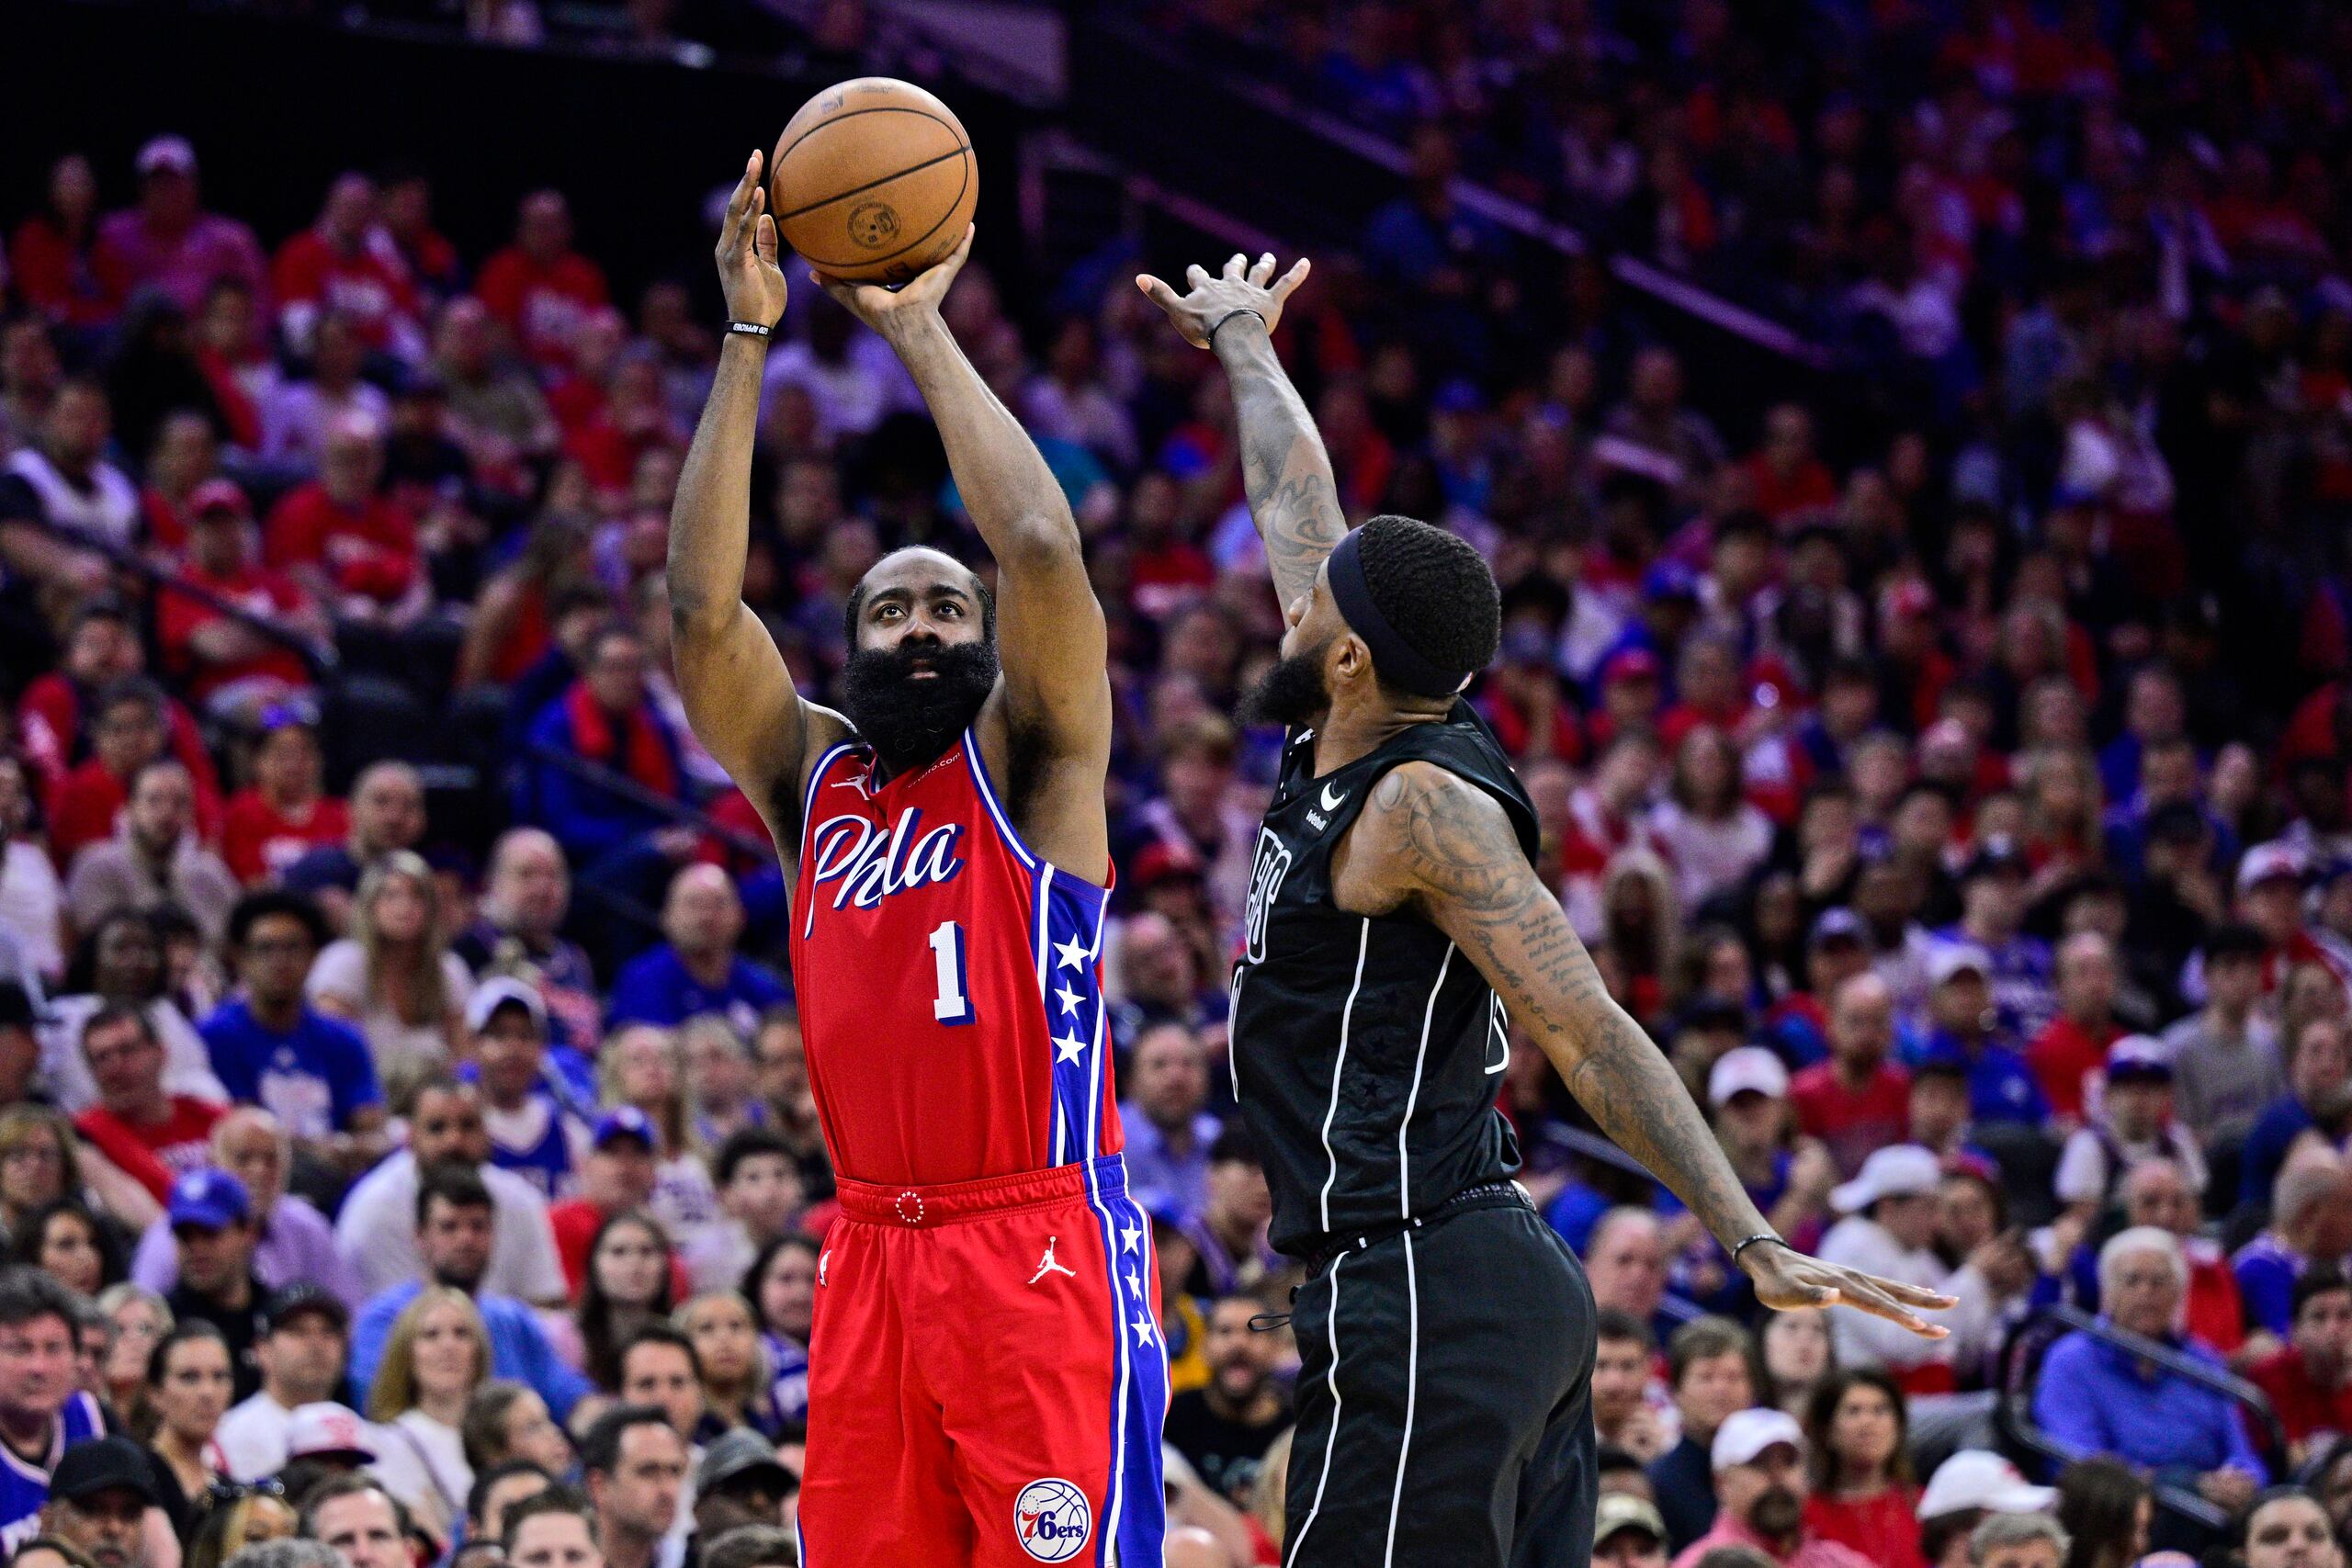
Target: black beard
(1292, 693)
(910, 722)
(1777, 1514)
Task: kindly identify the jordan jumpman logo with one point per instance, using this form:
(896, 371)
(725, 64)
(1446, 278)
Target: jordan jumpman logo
(1049, 1266)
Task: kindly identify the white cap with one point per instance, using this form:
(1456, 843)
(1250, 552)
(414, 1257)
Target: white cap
(1976, 1478)
(328, 1428)
(497, 992)
(166, 153)
(1952, 958)
(1748, 1432)
(1747, 1068)
(1899, 1170)
(2265, 861)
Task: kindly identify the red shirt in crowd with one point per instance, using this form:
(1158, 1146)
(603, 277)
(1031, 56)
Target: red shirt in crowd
(2063, 1054)
(158, 1153)
(366, 286)
(1852, 1121)
(49, 732)
(84, 804)
(271, 595)
(82, 286)
(542, 303)
(575, 1222)
(1883, 1529)
(2302, 1406)
(258, 840)
(368, 550)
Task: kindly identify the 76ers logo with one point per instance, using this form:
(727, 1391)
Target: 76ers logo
(1051, 1520)
(870, 861)
(1267, 869)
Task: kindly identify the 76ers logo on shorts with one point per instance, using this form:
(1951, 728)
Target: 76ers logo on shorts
(1051, 1520)
(1272, 864)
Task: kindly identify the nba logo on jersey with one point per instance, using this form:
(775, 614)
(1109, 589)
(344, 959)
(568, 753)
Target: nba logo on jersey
(1269, 866)
(1051, 1520)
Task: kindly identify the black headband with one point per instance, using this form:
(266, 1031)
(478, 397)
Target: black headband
(1396, 660)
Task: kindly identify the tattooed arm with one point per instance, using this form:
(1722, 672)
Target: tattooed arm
(1285, 469)
(1433, 844)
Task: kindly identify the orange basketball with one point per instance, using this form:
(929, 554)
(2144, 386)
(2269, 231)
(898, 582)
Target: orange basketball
(874, 180)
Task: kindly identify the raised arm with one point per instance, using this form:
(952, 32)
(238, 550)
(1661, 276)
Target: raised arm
(1050, 637)
(738, 694)
(1433, 843)
(1285, 471)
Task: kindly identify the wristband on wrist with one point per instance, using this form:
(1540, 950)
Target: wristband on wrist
(749, 328)
(1751, 1241)
(1244, 310)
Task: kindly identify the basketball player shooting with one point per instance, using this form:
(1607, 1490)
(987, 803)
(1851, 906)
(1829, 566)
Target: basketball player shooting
(987, 1376)
(1444, 1411)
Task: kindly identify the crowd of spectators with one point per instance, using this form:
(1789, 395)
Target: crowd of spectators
(401, 1073)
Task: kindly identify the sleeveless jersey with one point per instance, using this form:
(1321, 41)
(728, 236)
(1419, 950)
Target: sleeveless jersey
(1366, 1051)
(546, 1162)
(948, 979)
(24, 1487)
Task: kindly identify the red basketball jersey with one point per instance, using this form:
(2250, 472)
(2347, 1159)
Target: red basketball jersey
(948, 980)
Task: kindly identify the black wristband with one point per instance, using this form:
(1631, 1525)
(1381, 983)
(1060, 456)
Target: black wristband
(749, 328)
(1751, 1241)
(1244, 310)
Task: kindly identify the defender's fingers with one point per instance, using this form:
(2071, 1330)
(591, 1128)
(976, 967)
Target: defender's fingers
(1263, 269)
(1196, 275)
(1288, 283)
(1236, 265)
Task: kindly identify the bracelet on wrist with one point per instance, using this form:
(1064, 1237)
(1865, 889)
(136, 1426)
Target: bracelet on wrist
(1751, 1241)
(751, 329)
(1244, 310)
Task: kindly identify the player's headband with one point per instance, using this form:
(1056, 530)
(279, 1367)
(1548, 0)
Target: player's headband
(1397, 661)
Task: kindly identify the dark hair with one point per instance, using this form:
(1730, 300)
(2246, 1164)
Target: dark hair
(753, 1546)
(350, 1483)
(487, 1476)
(599, 1339)
(452, 1182)
(254, 907)
(601, 1448)
(2097, 1499)
(1611, 1460)
(1612, 1322)
(25, 1246)
(184, 1331)
(660, 1333)
(750, 1287)
(2233, 939)
(1235, 1146)
(482, 1429)
(1937, 1534)
(554, 1500)
(82, 969)
(28, 1295)
(745, 1143)
(132, 689)
(2319, 1280)
(1703, 1339)
(1821, 1415)
(1434, 590)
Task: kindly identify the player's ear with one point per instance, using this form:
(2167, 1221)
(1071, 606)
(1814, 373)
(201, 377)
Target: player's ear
(1351, 658)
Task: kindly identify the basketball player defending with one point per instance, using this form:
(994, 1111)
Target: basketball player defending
(1447, 1334)
(987, 1376)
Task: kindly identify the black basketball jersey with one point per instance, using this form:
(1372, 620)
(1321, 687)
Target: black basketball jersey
(1365, 1051)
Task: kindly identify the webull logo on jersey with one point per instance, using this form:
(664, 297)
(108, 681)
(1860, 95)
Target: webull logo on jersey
(1051, 1520)
(870, 863)
(1267, 869)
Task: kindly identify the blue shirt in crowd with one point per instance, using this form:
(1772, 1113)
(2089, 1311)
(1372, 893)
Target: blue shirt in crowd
(2096, 1399)
(656, 987)
(314, 1077)
(24, 1486)
(2001, 1086)
(518, 1346)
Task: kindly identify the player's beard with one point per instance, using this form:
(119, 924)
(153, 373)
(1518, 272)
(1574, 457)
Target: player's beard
(911, 722)
(1291, 692)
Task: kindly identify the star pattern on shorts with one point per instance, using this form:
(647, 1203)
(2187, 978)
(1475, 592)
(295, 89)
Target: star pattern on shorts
(1130, 1237)
(1143, 1327)
(1071, 954)
(1069, 999)
(1069, 1047)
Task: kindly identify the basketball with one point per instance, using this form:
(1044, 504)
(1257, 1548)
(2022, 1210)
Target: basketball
(874, 180)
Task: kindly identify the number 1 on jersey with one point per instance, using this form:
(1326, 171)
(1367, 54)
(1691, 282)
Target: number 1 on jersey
(952, 1004)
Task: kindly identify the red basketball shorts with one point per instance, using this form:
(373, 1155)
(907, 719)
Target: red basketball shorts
(987, 1377)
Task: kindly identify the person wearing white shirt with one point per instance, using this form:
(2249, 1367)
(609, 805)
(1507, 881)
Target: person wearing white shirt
(438, 1354)
(306, 1330)
(1889, 1227)
(377, 1230)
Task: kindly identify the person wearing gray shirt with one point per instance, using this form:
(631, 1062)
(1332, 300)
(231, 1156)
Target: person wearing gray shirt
(2225, 1055)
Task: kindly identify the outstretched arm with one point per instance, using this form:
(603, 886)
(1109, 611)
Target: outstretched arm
(1431, 843)
(1050, 634)
(1285, 471)
(738, 694)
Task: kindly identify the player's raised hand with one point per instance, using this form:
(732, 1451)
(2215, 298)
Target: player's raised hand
(1787, 1281)
(748, 271)
(1241, 287)
(883, 309)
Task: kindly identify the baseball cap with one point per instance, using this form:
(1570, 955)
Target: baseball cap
(2138, 1056)
(1838, 923)
(290, 1301)
(102, 1464)
(1900, 1170)
(628, 1122)
(1954, 958)
(165, 153)
(218, 495)
(1748, 1432)
(213, 1200)
(2264, 862)
(504, 991)
(1620, 1511)
(1978, 1478)
(742, 1454)
(1744, 1068)
(328, 1430)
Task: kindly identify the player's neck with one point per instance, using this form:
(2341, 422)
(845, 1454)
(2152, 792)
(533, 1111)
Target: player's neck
(1351, 731)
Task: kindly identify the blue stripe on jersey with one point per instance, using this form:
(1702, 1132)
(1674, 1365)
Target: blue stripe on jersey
(1067, 923)
(988, 796)
(1134, 1513)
